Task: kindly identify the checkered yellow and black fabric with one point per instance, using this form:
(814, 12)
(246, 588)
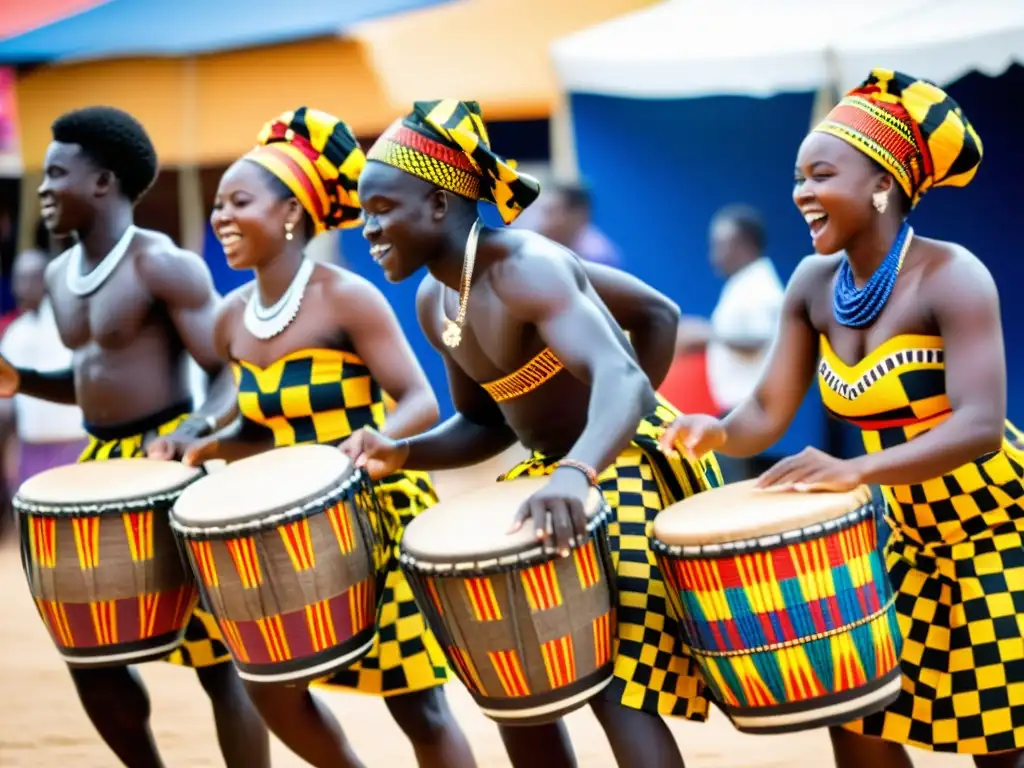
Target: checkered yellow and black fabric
(203, 645)
(322, 396)
(652, 671)
(912, 128)
(318, 158)
(955, 557)
(446, 143)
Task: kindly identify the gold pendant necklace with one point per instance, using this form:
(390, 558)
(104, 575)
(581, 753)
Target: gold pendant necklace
(452, 335)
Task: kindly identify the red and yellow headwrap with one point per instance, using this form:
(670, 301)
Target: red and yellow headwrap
(446, 143)
(913, 128)
(319, 159)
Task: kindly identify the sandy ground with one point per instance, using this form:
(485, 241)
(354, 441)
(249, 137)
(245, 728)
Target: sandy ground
(43, 725)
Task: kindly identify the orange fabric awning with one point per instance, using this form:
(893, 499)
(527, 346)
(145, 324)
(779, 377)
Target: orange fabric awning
(207, 110)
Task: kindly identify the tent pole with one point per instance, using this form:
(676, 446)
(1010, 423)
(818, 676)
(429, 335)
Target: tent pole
(564, 164)
(190, 186)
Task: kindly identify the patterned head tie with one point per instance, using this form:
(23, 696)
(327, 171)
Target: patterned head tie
(446, 143)
(319, 159)
(913, 128)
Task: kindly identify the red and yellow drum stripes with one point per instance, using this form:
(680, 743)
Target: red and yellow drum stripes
(294, 601)
(795, 635)
(530, 643)
(84, 573)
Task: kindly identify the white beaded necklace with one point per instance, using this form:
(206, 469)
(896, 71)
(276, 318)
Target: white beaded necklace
(267, 322)
(83, 285)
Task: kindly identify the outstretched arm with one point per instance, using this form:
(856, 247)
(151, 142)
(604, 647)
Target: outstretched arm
(650, 317)
(361, 309)
(760, 420)
(547, 289)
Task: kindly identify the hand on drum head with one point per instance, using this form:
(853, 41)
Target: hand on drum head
(694, 435)
(9, 379)
(812, 470)
(165, 448)
(558, 510)
(378, 455)
(201, 451)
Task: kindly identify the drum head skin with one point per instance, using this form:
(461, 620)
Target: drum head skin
(101, 482)
(250, 489)
(740, 511)
(474, 526)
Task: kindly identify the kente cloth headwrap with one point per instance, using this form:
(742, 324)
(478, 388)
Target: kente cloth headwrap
(319, 159)
(913, 128)
(446, 143)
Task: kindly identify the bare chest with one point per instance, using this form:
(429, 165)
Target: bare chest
(112, 317)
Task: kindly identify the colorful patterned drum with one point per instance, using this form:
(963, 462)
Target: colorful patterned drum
(785, 602)
(102, 564)
(529, 633)
(285, 555)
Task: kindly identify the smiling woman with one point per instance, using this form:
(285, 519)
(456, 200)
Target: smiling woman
(314, 349)
(905, 338)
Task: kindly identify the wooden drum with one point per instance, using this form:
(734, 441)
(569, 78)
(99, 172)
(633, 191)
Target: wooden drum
(785, 602)
(286, 560)
(529, 633)
(102, 564)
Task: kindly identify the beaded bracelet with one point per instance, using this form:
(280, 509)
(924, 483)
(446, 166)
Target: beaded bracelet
(587, 470)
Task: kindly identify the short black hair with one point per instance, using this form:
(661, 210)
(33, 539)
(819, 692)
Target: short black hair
(748, 223)
(576, 195)
(115, 141)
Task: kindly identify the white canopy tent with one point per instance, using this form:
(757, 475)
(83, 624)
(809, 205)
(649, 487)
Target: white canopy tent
(693, 48)
(942, 42)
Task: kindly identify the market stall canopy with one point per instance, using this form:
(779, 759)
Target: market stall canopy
(128, 28)
(207, 109)
(942, 42)
(693, 48)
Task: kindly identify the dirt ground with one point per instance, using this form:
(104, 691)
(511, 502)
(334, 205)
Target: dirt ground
(42, 724)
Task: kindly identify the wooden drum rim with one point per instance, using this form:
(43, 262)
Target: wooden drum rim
(767, 542)
(302, 508)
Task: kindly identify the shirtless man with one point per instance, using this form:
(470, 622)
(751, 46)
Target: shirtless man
(132, 307)
(535, 355)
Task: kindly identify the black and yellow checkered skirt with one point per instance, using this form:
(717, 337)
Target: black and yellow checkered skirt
(960, 607)
(405, 655)
(203, 645)
(652, 671)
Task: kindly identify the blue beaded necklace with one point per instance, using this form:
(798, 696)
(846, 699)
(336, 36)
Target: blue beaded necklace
(859, 307)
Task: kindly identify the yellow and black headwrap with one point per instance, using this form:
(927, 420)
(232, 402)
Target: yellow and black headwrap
(446, 143)
(319, 159)
(912, 127)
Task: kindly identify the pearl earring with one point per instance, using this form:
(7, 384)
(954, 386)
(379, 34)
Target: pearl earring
(880, 200)
(288, 227)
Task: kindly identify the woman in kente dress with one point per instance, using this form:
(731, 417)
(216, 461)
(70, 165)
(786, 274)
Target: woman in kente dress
(904, 336)
(317, 354)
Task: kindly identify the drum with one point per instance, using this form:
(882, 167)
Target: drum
(529, 633)
(784, 600)
(286, 560)
(102, 564)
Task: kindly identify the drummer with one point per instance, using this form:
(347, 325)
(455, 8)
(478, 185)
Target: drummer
(314, 349)
(534, 355)
(910, 343)
(132, 307)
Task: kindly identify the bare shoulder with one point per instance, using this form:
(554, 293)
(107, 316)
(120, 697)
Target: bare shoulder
(534, 269)
(171, 271)
(341, 284)
(56, 268)
(952, 274)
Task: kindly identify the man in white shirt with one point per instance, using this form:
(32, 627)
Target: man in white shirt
(48, 434)
(743, 324)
